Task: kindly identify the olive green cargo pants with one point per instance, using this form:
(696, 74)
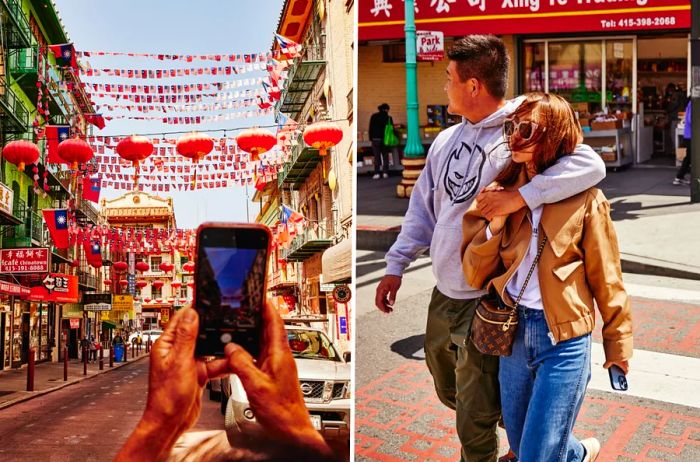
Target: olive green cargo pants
(465, 379)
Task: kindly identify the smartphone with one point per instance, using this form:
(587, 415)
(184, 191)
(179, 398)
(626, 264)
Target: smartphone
(230, 285)
(618, 380)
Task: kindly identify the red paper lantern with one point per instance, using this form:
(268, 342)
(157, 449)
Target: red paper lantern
(323, 136)
(175, 285)
(141, 284)
(147, 299)
(166, 267)
(194, 146)
(157, 284)
(107, 282)
(75, 151)
(21, 152)
(183, 301)
(256, 141)
(142, 266)
(188, 267)
(159, 300)
(135, 148)
(123, 282)
(120, 266)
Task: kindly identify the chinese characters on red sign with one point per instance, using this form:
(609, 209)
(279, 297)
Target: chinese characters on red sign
(61, 288)
(28, 260)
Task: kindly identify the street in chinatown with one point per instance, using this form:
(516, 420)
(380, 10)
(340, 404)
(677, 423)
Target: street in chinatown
(398, 415)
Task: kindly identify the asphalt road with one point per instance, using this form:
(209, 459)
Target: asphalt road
(85, 422)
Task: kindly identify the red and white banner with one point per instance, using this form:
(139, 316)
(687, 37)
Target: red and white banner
(9, 288)
(384, 19)
(24, 260)
(167, 89)
(171, 73)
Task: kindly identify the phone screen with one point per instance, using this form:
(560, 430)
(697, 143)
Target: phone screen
(229, 288)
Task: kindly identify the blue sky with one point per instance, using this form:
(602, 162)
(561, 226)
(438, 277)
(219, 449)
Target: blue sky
(175, 27)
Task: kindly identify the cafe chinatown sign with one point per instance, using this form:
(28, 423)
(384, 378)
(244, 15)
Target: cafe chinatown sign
(384, 19)
(24, 260)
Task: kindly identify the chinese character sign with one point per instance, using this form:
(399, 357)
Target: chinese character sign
(56, 287)
(24, 260)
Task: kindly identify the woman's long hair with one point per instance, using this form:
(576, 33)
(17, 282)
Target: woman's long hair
(558, 132)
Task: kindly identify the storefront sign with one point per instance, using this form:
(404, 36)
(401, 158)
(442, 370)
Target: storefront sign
(384, 19)
(165, 315)
(74, 323)
(122, 303)
(6, 199)
(430, 45)
(343, 321)
(24, 260)
(13, 289)
(327, 287)
(61, 288)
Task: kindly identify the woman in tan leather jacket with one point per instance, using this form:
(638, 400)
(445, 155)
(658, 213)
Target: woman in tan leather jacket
(544, 381)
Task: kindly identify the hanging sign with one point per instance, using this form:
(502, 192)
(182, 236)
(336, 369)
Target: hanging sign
(74, 323)
(13, 289)
(97, 302)
(342, 293)
(24, 260)
(56, 287)
(430, 45)
(6, 196)
(123, 303)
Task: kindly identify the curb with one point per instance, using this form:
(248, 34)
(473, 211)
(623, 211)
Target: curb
(380, 239)
(36, 394)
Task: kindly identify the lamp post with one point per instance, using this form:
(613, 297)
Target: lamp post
(413, 153)
(695, 101)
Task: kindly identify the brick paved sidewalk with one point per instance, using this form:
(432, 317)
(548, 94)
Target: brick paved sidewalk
(398, 418)
(49, 377)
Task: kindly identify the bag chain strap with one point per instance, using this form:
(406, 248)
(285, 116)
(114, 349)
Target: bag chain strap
(506, 326)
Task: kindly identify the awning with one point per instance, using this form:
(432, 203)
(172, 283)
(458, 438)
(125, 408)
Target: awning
(108, 325)
(336, 262)
(283, 286)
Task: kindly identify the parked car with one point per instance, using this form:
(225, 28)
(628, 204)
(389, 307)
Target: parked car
(324, 379)
(154, 333)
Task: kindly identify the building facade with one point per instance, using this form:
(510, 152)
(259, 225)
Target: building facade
(319, 87)
(29, 79)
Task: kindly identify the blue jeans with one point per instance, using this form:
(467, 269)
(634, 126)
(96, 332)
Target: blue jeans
(542, 389)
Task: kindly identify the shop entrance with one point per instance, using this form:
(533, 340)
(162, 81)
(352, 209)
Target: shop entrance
(25, 338)
(662, 81)
(73, 338)
(5, 325)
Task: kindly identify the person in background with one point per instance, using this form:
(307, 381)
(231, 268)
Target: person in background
(93, 349)
(176, 383)
(377, 125)
(685, 165)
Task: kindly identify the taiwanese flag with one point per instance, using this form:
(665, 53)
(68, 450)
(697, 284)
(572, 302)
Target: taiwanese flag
(57, 222)
(290, 216)
(65, 55)
(91, 188)
(54, 135)
(93, 254)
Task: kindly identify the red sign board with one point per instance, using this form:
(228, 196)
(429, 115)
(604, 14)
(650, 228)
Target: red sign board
(74, 323)
(384, 19)
(26, 260)
(13, 289)
(61, 288)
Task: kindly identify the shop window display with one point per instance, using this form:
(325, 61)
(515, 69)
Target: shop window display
(17, 334)
(618, 75)
(575, 72)
(534, 67)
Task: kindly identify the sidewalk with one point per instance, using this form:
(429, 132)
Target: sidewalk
(48, 377)
(653, 218)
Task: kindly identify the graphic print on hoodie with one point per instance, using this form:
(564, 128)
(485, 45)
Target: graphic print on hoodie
(463, 185)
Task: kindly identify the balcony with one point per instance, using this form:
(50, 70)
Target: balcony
(14, 117)
(32, 231)
(86, 281)
(15, 23)
(301, 79)
(85, 211)
(303, 161)
(277, 282)
(307, 244)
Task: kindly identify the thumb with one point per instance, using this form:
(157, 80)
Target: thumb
(186, 332)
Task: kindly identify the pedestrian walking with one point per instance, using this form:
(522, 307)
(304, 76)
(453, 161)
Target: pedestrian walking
(85, 349)
(93, 349)
(687, 134)
(378, 123)
(546, 266)
(461, 161)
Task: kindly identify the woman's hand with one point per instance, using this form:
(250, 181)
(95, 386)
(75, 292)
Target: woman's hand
(624, 365)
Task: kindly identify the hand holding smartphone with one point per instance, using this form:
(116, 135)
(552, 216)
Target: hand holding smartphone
(618, 380)
(230, 286)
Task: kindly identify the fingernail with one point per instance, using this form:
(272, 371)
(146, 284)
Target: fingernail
(189, 316)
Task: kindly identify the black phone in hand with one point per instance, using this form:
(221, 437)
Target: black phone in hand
(618, 380)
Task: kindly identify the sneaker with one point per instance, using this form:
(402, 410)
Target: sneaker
(376, 176)
(592, 448)
(680, 181)
(385, 175)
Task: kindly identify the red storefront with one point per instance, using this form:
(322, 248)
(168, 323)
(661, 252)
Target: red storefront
(628, 59)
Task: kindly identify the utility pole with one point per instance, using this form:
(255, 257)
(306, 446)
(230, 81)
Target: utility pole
(413, 153)
(695, 101)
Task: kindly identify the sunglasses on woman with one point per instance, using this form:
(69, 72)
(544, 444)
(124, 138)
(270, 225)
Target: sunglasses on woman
(525, 128)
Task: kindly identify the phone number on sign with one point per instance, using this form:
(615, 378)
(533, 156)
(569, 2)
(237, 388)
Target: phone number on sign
(638, 22)
(25, 268)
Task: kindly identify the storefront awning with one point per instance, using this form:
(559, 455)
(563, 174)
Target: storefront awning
(336, 262)
(283, 286)
(108, 325)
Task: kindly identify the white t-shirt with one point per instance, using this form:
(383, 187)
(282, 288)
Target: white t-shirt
(532, 298)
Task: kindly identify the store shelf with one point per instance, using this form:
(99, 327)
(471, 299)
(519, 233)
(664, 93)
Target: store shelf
(620, 139)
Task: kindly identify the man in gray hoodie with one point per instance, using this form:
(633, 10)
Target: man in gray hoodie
(462, 161)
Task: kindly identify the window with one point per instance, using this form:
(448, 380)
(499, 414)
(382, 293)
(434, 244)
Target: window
(156, 292)
(155, 264)
(395, 53)
(534, 67)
